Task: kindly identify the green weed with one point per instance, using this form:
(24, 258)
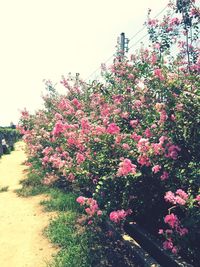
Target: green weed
(27, 191)
(60, 201)
(3, 189)
(63, 232)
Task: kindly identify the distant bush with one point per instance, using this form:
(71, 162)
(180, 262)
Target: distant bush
(8, 137)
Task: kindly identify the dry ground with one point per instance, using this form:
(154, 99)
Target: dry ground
(22, 220)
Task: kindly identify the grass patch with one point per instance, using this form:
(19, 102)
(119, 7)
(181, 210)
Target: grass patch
(80, 246)
(32, 185)
(74, 244)
(60, 201)
(27, 191)
(3, 189)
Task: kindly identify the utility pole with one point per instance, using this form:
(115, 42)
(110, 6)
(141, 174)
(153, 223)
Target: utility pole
(123, 46)
(77, 79)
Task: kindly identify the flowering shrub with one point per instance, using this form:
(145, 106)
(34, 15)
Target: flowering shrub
(128, 143)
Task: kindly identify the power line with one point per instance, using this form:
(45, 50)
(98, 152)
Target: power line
(159, 13)
(145, 25)
(138, 41)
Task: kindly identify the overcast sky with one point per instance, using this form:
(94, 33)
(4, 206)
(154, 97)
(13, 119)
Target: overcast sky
(44, 39)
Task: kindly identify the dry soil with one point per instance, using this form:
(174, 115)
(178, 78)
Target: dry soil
(22, 220)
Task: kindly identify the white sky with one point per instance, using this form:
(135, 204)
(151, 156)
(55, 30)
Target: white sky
(44, 39)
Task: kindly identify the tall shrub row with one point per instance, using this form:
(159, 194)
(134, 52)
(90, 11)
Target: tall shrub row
(130, 144)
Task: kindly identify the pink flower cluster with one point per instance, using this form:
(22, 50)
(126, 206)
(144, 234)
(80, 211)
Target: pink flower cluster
(168, 244)
(126, 167)
(156, 168)
(113, 128)
(172, 151)
(144, 160)
(164, 176)
(158, 74)
(119, 215)
(143, 145)
(59, 128)
(92, 208)
(198, 199)
(179, 198)
(173, 221)
(80, 158)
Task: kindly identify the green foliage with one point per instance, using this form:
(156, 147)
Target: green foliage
(63, 232)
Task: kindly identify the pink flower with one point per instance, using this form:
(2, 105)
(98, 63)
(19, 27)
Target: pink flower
(126, 146)
(180, 197)
(71, 141)
(76, 103)
(71, 177)
(173, 117)
(180, 201)
(168, 244)
(153, 59)
(100, 130)
(81, 200)
(168, 231)
(124, 115)
(158, 74)
(198, 199)
(156, 46)
(156, 168)
(172, 151)
(162, 139)
(136, 137)
(133, 123)
(148, 133)
(144, 160)
(80, 158)
(164, 176)
(126, 167)
(172, 220)
(163, 116)
(143, 145)
(113, 128)
(174, 250)
(174, 21)
(182, 194)
(114, 217)
(182, 231)
(99, 212)
(59, 128)
(170, 197)
(118, 139)
(153, 126)
(58, 116)
(157, 148)
(85, 124)
(117, 216)
(152, 22)
(137, 104)
(160, 231)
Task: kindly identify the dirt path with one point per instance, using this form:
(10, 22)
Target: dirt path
(21, 219)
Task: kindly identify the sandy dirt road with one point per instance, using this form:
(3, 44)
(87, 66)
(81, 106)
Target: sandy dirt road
(22, 220)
